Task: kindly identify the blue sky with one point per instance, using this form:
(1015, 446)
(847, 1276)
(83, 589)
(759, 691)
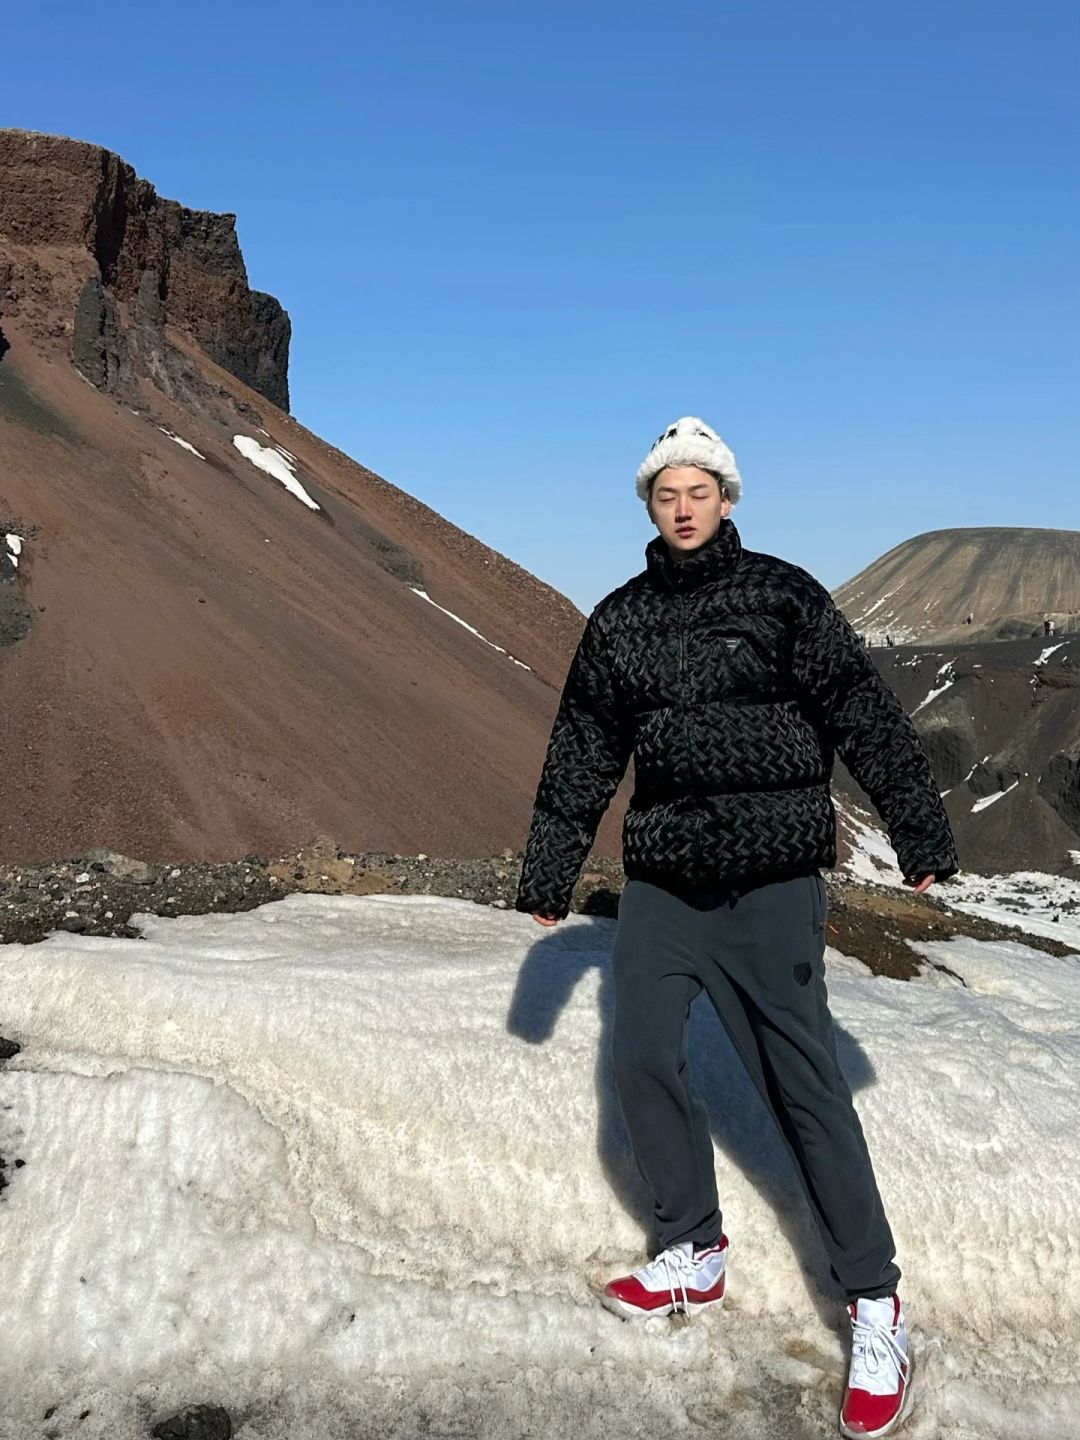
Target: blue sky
(516, 240)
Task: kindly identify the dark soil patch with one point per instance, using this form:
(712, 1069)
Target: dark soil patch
(19, 403)
(97, 893)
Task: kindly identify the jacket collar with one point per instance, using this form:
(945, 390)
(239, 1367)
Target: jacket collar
(711, 561)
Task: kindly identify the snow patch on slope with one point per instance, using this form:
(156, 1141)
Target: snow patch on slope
(181, 441)
(950, 679)
(878, 603)
(872, 857)
(1044, 904)
(968, 776)
(989, 799)
(425, 596)
(274, 462)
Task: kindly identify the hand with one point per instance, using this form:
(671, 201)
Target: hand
(545, 920)
(921, 883)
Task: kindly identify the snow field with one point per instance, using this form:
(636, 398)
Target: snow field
(355, 1161)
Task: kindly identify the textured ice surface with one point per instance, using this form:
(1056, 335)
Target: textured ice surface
(349, 1166)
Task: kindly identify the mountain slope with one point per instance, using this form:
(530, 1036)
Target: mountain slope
(1001, 724)
(205, 658)
(1006, 578)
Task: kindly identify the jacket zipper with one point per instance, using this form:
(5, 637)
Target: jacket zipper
(683, 699)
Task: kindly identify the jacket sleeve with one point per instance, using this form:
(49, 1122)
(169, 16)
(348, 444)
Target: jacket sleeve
(590, 745)
(863, 721)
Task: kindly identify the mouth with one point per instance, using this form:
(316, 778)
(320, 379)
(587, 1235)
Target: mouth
(684, 530)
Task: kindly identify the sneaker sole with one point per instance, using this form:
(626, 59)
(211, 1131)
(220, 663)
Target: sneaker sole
(897, 1420)
(626, 1311)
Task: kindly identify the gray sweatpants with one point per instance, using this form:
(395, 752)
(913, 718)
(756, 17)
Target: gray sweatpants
(760, 956)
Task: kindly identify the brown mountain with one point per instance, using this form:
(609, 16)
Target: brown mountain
(218, 634)
(1008, 579)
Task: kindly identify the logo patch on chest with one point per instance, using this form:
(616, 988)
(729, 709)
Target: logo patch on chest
(732, 642)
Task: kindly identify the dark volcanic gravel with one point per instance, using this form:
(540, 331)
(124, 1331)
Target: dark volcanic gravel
(97, 893)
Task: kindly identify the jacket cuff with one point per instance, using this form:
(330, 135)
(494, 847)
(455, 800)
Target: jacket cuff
(536, 905)
(942, 865)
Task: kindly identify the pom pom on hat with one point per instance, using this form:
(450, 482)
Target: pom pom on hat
(690, 442)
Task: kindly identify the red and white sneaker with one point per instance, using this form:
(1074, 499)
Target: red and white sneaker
(878, 1391)
(679, 1278)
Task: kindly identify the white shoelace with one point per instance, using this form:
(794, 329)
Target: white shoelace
(866, 1360)
(676, 1266)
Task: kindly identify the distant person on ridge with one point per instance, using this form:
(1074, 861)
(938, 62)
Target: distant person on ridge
(732, 678)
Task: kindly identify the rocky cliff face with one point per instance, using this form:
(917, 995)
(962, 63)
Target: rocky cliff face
(218, 634)
(136, 264)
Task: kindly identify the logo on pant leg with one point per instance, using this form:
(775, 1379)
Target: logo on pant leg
(802, 973)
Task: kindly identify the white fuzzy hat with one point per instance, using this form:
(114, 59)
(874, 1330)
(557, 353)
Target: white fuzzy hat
(690, 442)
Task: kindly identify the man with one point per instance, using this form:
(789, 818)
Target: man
(733, 679)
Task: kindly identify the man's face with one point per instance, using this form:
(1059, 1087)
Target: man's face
(686, 506)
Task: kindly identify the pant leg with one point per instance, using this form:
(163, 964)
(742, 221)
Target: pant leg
(766, 978)
(655, 964)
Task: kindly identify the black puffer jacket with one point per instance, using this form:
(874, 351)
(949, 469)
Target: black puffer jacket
(732, 678)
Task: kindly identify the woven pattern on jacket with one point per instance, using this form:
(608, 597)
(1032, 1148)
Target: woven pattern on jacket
(733, 679)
